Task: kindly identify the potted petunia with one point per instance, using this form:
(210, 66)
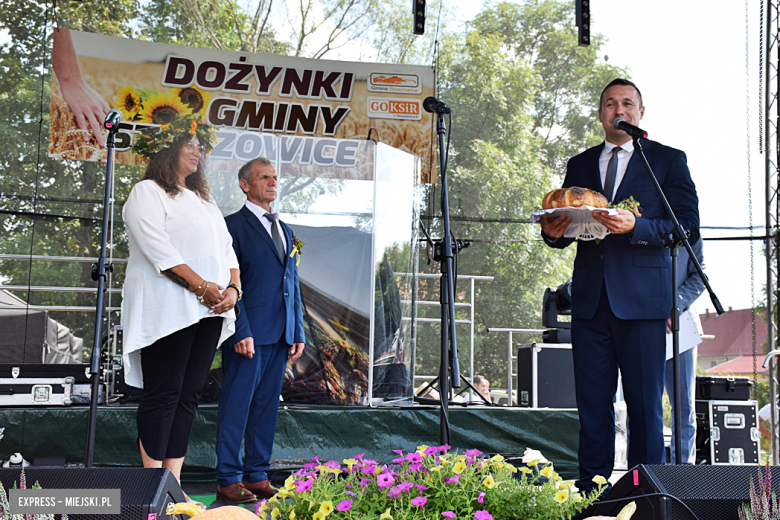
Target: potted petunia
(429, 483)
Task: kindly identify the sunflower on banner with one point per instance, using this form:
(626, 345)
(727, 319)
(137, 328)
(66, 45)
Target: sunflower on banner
(197, 100)
(159, 108)
(162, 109)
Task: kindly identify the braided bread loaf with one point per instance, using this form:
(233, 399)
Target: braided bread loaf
(574, 197)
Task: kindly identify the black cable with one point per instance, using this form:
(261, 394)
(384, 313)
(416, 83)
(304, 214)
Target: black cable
(735, 238)
(45, 216)
(529, 241)
(485, 220)
(15, 197)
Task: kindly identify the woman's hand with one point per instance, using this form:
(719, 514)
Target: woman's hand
(229, 298)
(86, 104)
(213, 294)
(89, 107)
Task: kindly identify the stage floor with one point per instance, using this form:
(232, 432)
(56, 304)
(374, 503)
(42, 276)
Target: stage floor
(333, 433)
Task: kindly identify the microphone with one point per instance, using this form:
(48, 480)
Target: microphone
(634, 131)
(113, 118)
(434, 106)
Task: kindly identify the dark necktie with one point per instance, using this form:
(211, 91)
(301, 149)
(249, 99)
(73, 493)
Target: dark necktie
(275, 235)
(609, 183)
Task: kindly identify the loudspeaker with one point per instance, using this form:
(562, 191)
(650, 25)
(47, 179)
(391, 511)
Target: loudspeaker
(710, 492)
(145, 492)
(582, 21)
(545, 376)
(418, 16)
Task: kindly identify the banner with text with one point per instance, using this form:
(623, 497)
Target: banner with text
(274, 97)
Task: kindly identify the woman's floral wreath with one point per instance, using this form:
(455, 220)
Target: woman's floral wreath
(175, 113)
(153, 140)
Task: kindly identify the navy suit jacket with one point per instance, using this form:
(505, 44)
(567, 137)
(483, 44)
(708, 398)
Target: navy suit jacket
(636, 268)
(272, 297)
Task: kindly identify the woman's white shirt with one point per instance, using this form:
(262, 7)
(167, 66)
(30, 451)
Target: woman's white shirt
(164, 232)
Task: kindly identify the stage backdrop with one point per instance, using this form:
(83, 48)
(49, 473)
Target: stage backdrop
(278, 95)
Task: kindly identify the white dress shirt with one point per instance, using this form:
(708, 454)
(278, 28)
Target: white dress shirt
(164, 232)
(624, 156)
(259, 213)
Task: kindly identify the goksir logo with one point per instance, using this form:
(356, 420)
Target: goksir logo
(388, 108)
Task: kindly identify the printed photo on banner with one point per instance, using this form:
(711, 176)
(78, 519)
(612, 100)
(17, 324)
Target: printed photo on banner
(258, 102)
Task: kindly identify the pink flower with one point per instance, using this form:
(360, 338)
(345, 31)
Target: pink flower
(448, 514)
(420, 487)
(444, 448)
(364, 482)
(259, 505)
(420, 501)
(481, 497)
(483, 515)
(369, 470)
(473, 453)
(405, 486)
(414, 468)
(369, 462)
(414, 457)
(304, 486)
(344, 505)
(313, 464)
(385, 480)
(399, 452)
(393, 492)
(332, 464)
(399, 460)
(455, 479)
(430, 450)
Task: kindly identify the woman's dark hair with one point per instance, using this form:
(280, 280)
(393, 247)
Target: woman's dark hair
(162, 170)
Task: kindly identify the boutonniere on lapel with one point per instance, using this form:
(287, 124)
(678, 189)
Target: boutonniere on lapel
(297, 247)
(630, 204)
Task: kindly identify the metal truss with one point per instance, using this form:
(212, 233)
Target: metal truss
(771, 145)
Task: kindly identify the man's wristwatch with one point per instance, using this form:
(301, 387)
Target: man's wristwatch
(238, 290)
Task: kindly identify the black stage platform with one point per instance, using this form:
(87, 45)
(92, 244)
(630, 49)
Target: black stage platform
(333, 433)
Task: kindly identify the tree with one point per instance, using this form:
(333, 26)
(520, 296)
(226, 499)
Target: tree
(48, 207)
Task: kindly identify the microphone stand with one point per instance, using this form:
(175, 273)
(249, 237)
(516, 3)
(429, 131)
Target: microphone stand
(673, 241)
(444, 253)
(99, 271)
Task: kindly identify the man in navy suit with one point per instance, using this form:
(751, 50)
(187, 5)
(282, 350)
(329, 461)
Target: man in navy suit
(622, 287)
(269, 331)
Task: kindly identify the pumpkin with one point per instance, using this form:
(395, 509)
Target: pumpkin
(218, 513)
(226, 513)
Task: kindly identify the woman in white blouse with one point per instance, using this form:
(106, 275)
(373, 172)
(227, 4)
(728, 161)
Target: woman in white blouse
(181, 285)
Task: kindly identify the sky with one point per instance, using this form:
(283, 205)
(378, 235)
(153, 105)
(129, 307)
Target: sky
(688, 59)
